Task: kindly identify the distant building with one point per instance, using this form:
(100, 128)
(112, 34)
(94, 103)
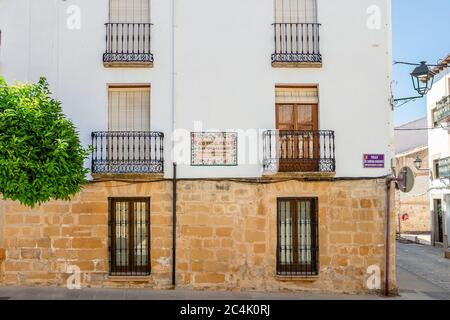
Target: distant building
(412, 209)
(438, 110)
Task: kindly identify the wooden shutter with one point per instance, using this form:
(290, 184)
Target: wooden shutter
(295, 11)
(299, 95)
(129, 11)
(129, 108)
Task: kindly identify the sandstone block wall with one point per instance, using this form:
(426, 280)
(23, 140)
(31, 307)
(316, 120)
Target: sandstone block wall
(419, 220)
(226, 233)
(416, 204)
(40, 244)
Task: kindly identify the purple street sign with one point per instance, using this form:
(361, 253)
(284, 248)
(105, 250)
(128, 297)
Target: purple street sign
(372, 161)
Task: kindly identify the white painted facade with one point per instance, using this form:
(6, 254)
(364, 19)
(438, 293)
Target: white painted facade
(439, 148)
(212, 66)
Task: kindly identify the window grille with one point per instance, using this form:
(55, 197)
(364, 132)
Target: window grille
(129, 235)
(298, 250)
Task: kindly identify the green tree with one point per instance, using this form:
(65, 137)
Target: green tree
(41, 157)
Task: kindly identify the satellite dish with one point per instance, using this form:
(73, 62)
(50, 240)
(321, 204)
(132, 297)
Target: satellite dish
(405, 180)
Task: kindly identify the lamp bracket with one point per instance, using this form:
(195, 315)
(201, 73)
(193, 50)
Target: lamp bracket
(407, 99)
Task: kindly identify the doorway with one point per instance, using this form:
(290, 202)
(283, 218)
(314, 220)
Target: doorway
(438, 222)
(298, 146)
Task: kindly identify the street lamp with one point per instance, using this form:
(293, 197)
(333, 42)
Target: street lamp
(418, 163)
(422, 78)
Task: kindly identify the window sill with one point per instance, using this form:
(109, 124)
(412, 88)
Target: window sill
(141, 177)
(297, 278)
(128, 64)
(300, 175)
(129, 278)
(297, 64)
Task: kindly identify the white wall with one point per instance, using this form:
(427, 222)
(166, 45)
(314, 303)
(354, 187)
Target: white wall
(438, 142)
(223, 75)
(36, 42)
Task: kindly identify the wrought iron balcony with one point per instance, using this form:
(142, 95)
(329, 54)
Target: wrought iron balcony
(444, 168)
(299, 151)
(128, 44)
(297, 44)
(127, 152)
(442, 111)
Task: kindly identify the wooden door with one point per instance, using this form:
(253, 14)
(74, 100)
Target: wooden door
(299, 142)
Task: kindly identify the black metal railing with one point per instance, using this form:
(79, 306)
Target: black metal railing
(127, 152)
(299, 151)
(297, 42)
(128, 43)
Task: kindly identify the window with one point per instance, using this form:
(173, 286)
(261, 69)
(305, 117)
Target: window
(129, 232)
(436, 169)
(128, 34)
(129, 11)
(129, 108)
(128, 147)
(295, 11)
(434, 117)
(298, 250)
(296, 34)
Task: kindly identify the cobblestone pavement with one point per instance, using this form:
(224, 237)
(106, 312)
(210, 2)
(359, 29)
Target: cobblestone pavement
(423, 272)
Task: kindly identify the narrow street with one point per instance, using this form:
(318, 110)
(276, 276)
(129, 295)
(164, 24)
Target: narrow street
(423, 272)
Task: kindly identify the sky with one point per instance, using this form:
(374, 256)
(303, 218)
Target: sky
(421, 32)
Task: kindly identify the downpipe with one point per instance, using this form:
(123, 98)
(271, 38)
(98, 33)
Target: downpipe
(174, 225)
(174, 182)
(388, 235)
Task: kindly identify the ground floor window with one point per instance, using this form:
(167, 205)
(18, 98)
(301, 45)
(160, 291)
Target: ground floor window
(129, 236)
(297, 246)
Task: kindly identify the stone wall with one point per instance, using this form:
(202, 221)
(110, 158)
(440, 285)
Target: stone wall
(416, 203)
(226, 235)
(43, 242)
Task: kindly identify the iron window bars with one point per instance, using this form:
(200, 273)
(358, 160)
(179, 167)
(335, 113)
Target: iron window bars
(128, 43)
(299, 151)
(297, 43)
(298, 245)
(129, 236)
(296, 33)
(122, 152)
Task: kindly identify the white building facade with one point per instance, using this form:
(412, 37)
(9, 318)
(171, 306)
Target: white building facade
(235, 93)
(438, 104)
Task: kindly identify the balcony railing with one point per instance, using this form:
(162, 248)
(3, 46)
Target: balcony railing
(299, 151)
(297, 43)
(128, 43)
(444, 168)
(127, 152)
(442, 111)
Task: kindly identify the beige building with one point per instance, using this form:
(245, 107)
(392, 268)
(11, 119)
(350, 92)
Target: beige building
(412, 208)
(281, 182)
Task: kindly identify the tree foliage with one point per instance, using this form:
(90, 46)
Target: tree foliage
(41, 157)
